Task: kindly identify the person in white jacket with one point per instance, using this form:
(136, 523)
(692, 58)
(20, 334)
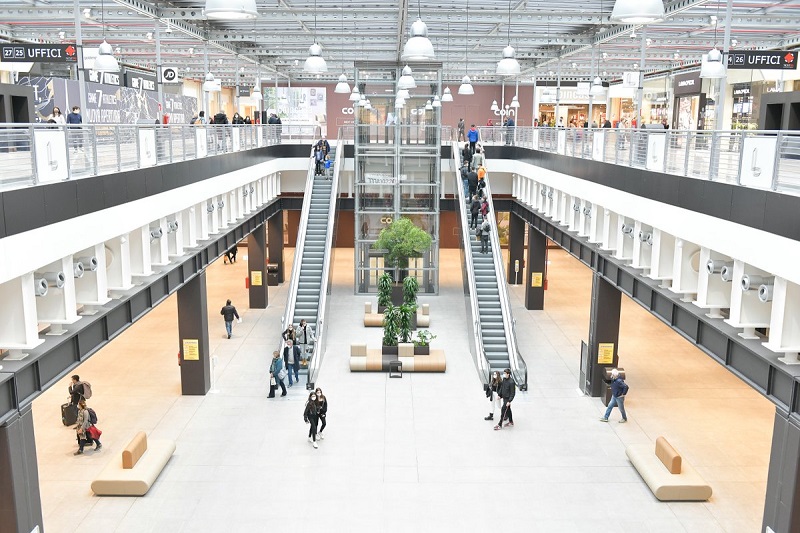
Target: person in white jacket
(304, 338)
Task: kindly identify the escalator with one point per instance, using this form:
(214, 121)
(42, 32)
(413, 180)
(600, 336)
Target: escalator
(494, 343)
(310, 280)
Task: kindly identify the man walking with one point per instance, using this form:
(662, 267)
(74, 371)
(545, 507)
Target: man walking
(461, 130)
(618, 391)
(507, 392)
(228, 312)
(304, 335)
(291, 357)
(473, 137)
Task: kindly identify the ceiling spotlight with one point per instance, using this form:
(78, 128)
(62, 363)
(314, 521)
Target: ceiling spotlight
(61, 35)
(87, 13)
(734, 42)
(605, 55)
(466, 88)
(447, 95)
(677, 55)
(648, 41)
(633, 34)
(168, 29)
(418, 47)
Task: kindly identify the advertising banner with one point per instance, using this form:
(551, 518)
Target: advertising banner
(597, 145)
(106, 78)
(758, 161)
(298, 105)
(561, 145)
(147, 147)
(140, 80)
(39, 53)
(687, 84)
(237, 145)
(656, 142)
(201, 140)
(51, 155)
(762, 59)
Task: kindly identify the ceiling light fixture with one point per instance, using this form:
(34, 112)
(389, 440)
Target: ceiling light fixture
(637, 11)
(466, 88)
(210, 85)
(406, 80)
(342, 87)
(315, 63)
(404, 94)
(515, 102)
(418, 47)
(436, 101)
(712, 65)
(231, 9)
(508, 66)
(429, 106)
(355, 96)
(447, 96)
(105, 60)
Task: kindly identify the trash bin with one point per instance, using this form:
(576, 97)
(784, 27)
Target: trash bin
(607, 387)
(272, 274)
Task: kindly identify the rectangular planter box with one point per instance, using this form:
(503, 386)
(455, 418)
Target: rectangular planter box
(389, 350)
(422, 350)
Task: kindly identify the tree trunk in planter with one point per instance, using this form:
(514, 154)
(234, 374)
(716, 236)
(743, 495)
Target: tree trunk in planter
(397, 294)
(389, 350)
(422, 350)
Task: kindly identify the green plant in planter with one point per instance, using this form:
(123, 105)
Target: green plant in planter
(406, 312)
(391, 324)
(424, 338)
(384, 290)
(410, 289)
(402, 240)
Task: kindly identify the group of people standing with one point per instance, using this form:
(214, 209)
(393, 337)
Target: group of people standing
(86, 431)
(298, 345)
(322, 150)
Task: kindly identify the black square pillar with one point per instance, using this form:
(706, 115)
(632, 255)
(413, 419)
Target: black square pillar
(193, 336)
(536, 272)
(257, 266)
(20, 504)
(275, 240)
(516, 249)
(782, 507)
(603, 333)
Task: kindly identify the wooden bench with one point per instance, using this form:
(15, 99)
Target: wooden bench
(363, 359)
(142, 462)
(375, 320)
(667, 474)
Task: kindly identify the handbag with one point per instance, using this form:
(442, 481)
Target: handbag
(94, 432)
(272, 381)
(282, 374)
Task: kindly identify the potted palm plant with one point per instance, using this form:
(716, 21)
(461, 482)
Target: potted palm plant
(391, 323)
(405, 324)
(384, 291)
(422, 344)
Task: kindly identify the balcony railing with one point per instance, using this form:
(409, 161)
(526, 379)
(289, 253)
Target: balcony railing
(759, 159)
(31, 154)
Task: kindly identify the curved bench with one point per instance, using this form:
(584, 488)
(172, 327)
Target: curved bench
(669, 477)
(142, 462)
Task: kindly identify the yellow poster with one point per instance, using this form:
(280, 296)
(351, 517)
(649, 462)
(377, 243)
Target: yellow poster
(536, 279)
(605, 353)
(191, 350)
(255, 278)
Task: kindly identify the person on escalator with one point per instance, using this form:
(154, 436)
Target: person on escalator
(485, 229)
(478, 160)
(465, 180)
(492, 392)
(474, 209)
(291, 358)
(466, 154)
(472, 182)
(507, 391)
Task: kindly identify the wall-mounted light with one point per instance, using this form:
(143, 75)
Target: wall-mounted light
(587, 211)
(210, 208)
(646, 237)
(576, 207)
(220, 204)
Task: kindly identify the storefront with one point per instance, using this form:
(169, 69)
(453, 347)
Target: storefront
(689, 111)
(742, 109)
(573, 106)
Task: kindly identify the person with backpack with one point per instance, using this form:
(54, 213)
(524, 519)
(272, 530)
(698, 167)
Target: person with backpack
(506, 390)
(485, 228)
(82, 428)
(228, 312)
(276, 375)
(618, 391)
(311, 416)
(485, 208)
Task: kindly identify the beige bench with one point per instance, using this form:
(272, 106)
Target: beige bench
(666, 473)
(375, 320)
(142, 462)
(363, 359)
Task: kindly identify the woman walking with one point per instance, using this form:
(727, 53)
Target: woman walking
(322, 407)
(492, 390)
(275, 378)
(81, 427)
(311, 416)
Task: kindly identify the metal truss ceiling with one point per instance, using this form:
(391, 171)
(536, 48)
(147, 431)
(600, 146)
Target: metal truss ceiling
(544, 33)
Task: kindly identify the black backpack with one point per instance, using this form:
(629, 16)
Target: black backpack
(92, 416)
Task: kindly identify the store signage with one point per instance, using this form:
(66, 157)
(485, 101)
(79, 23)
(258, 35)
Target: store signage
(169, 75)
(762, 59)
(380, 178)
(244, 91)
(39, 53)
(741, 90)
(688, 84)
(106, 78)
(630, 80)
(139, 80)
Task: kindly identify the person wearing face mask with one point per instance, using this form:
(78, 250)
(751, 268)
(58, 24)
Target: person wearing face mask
(322, 406)
(506, 391)
(492, 390)
(275, 377)
(311, 416)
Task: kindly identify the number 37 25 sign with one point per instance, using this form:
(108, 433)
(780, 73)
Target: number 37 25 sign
(762, 59)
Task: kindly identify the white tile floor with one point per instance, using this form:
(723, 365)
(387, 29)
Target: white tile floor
(411, 454)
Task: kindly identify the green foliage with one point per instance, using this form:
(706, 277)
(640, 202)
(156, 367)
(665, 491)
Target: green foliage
(384, 290)
(402, 239)
(410, 289)
(405, 318)
(391, 319)
(424, 338)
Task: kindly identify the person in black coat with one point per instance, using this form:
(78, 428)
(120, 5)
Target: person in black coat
(75, 390)
(465, 180)
(311, 416)
(507, 392)
(228, 312)
(474, 209)
(472, 182)
(492, 390)
(291, 357)
(466, 155)
(322, 407)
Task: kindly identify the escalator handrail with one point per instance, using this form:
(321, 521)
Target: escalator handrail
(519, 370)
(466, 237)
(319, 331)
(294, 281)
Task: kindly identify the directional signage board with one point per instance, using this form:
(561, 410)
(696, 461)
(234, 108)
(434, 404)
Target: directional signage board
(762, 60)
(38, 53)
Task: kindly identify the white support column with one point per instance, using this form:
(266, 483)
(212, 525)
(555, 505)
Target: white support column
(118, 270)
(685, 269)
(610, 231)
(784, 325)
(237, 205)
(159, 245)
(174, 235)
(642, 245)
(213, 217)
(747, 310)
(92, 288)
(597, 223)
(713, 293)
(223, 212)
(202, 219)
(139, 240)
(188, 220)
(19, 327)
(662, 261)
(574, 213)
(585, 216)
(625, 236)
(58, 306)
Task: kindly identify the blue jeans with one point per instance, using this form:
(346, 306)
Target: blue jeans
(228, 327)
(296, 367)
(466, 188)
(618, 401)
